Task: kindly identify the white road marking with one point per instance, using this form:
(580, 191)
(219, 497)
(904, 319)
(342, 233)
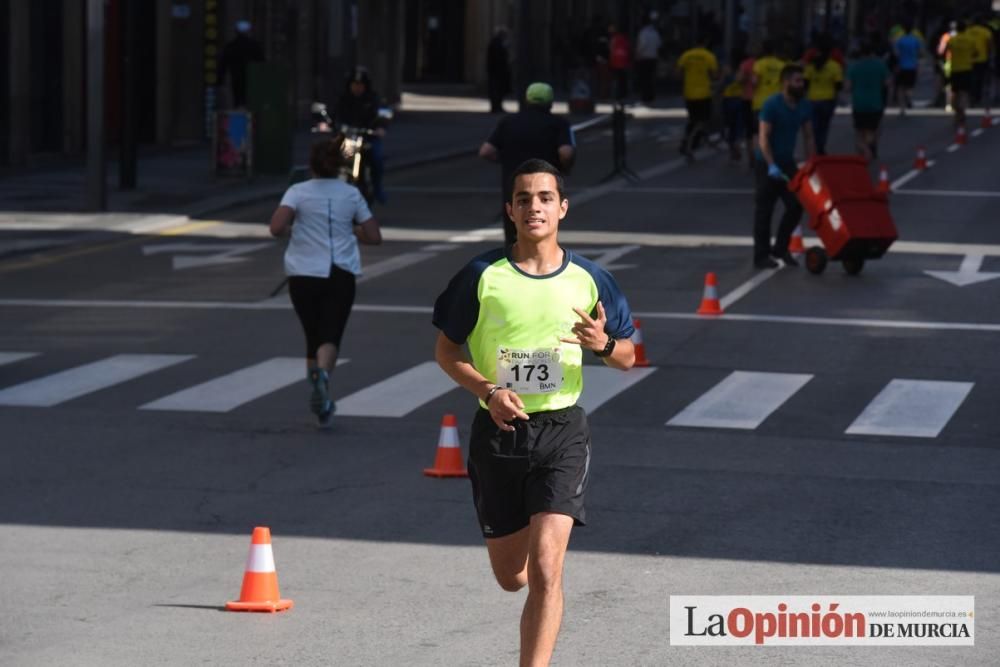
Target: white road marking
(826, 321)
(398, 395)
(221, 253)
(746, 288)
(968, 273)
(643, 190)
(232, 390)
(911, 408)
(952, 148)
(606, 256)
(909, 176)
(743, 400)
(12, 357)
(663, 240)
(272, 304)
(601, 384)
(75, 382)
(394, 263)
(950, 193)
(976, 132)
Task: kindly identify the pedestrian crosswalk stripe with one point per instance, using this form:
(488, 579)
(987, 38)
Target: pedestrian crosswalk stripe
(601, 384)
(75, 382)
(11, 357)
(914, 408)
(742, 400)
(230, 391)
(398, 395)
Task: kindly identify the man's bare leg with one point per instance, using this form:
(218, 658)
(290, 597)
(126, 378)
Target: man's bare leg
(509, 559)
(533, 556)
(542, 615)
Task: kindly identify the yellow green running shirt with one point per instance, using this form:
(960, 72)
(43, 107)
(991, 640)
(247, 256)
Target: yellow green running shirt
(512, 322)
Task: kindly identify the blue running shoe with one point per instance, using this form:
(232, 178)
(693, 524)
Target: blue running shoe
(319, 400)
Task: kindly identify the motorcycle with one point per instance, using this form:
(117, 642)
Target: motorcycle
(356, 168)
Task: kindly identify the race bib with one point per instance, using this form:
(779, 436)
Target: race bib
(529, 371)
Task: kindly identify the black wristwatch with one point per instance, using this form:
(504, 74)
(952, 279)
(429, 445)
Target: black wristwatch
(609, 348)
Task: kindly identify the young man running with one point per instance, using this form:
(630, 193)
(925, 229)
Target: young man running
(528, 314)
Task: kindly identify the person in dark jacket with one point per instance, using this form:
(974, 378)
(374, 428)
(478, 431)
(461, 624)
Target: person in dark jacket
(498, 69)
(236, 56)
(533, 132)
(358, 107)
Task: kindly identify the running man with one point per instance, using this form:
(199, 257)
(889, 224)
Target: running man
(868, 79)
(983, 37)
(962, 51)
(766, 80)
(326, 218)
(699, 66)
(824, 77)
(907, 47)
(528, 314)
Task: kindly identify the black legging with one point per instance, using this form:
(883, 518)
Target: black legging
(323, 306)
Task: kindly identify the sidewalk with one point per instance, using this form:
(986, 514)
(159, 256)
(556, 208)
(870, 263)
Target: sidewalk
(181, 181)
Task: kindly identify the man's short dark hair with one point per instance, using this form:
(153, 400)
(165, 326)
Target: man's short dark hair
(536, 166)
(788, 71)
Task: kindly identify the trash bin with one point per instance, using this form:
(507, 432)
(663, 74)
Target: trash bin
(828, 178)
(850, 217)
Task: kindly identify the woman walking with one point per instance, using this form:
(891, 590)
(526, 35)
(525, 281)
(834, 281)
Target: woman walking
(326, 218)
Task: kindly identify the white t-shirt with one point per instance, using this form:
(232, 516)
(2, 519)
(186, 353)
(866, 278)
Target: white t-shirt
(326, 210)
(648, 47)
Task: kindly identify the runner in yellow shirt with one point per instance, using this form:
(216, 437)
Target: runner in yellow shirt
(962, 51)
(825, 77)
(699, 68)
(983, 37)
(766, 79)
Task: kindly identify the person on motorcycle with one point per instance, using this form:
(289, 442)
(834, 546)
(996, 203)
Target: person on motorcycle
(358, 107)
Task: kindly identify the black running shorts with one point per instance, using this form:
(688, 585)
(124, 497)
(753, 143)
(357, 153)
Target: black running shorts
(323, 306)
(906, 78)
(961, 82)
(867, 120)
(542, 466)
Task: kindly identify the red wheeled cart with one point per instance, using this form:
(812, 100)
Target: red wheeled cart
(849, 215)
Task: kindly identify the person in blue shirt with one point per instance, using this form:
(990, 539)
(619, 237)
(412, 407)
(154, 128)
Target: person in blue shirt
(782, 117)
(907, 47)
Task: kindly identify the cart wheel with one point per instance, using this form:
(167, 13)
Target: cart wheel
(853, 265)
(816, 260)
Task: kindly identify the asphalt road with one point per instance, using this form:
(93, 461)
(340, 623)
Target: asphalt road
(829, 435)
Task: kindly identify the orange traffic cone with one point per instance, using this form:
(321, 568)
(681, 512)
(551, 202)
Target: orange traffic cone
(710, 301)
(448, 462)
(640, 347)
(987, 121)
(921, 162)
(260, 580)
(960, 137)
(796, 246)
(883, 179)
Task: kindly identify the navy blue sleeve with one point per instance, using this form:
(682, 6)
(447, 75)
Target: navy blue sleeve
(616, 307)
(456, 310)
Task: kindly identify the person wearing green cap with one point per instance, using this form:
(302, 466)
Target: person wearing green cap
(532, 133)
